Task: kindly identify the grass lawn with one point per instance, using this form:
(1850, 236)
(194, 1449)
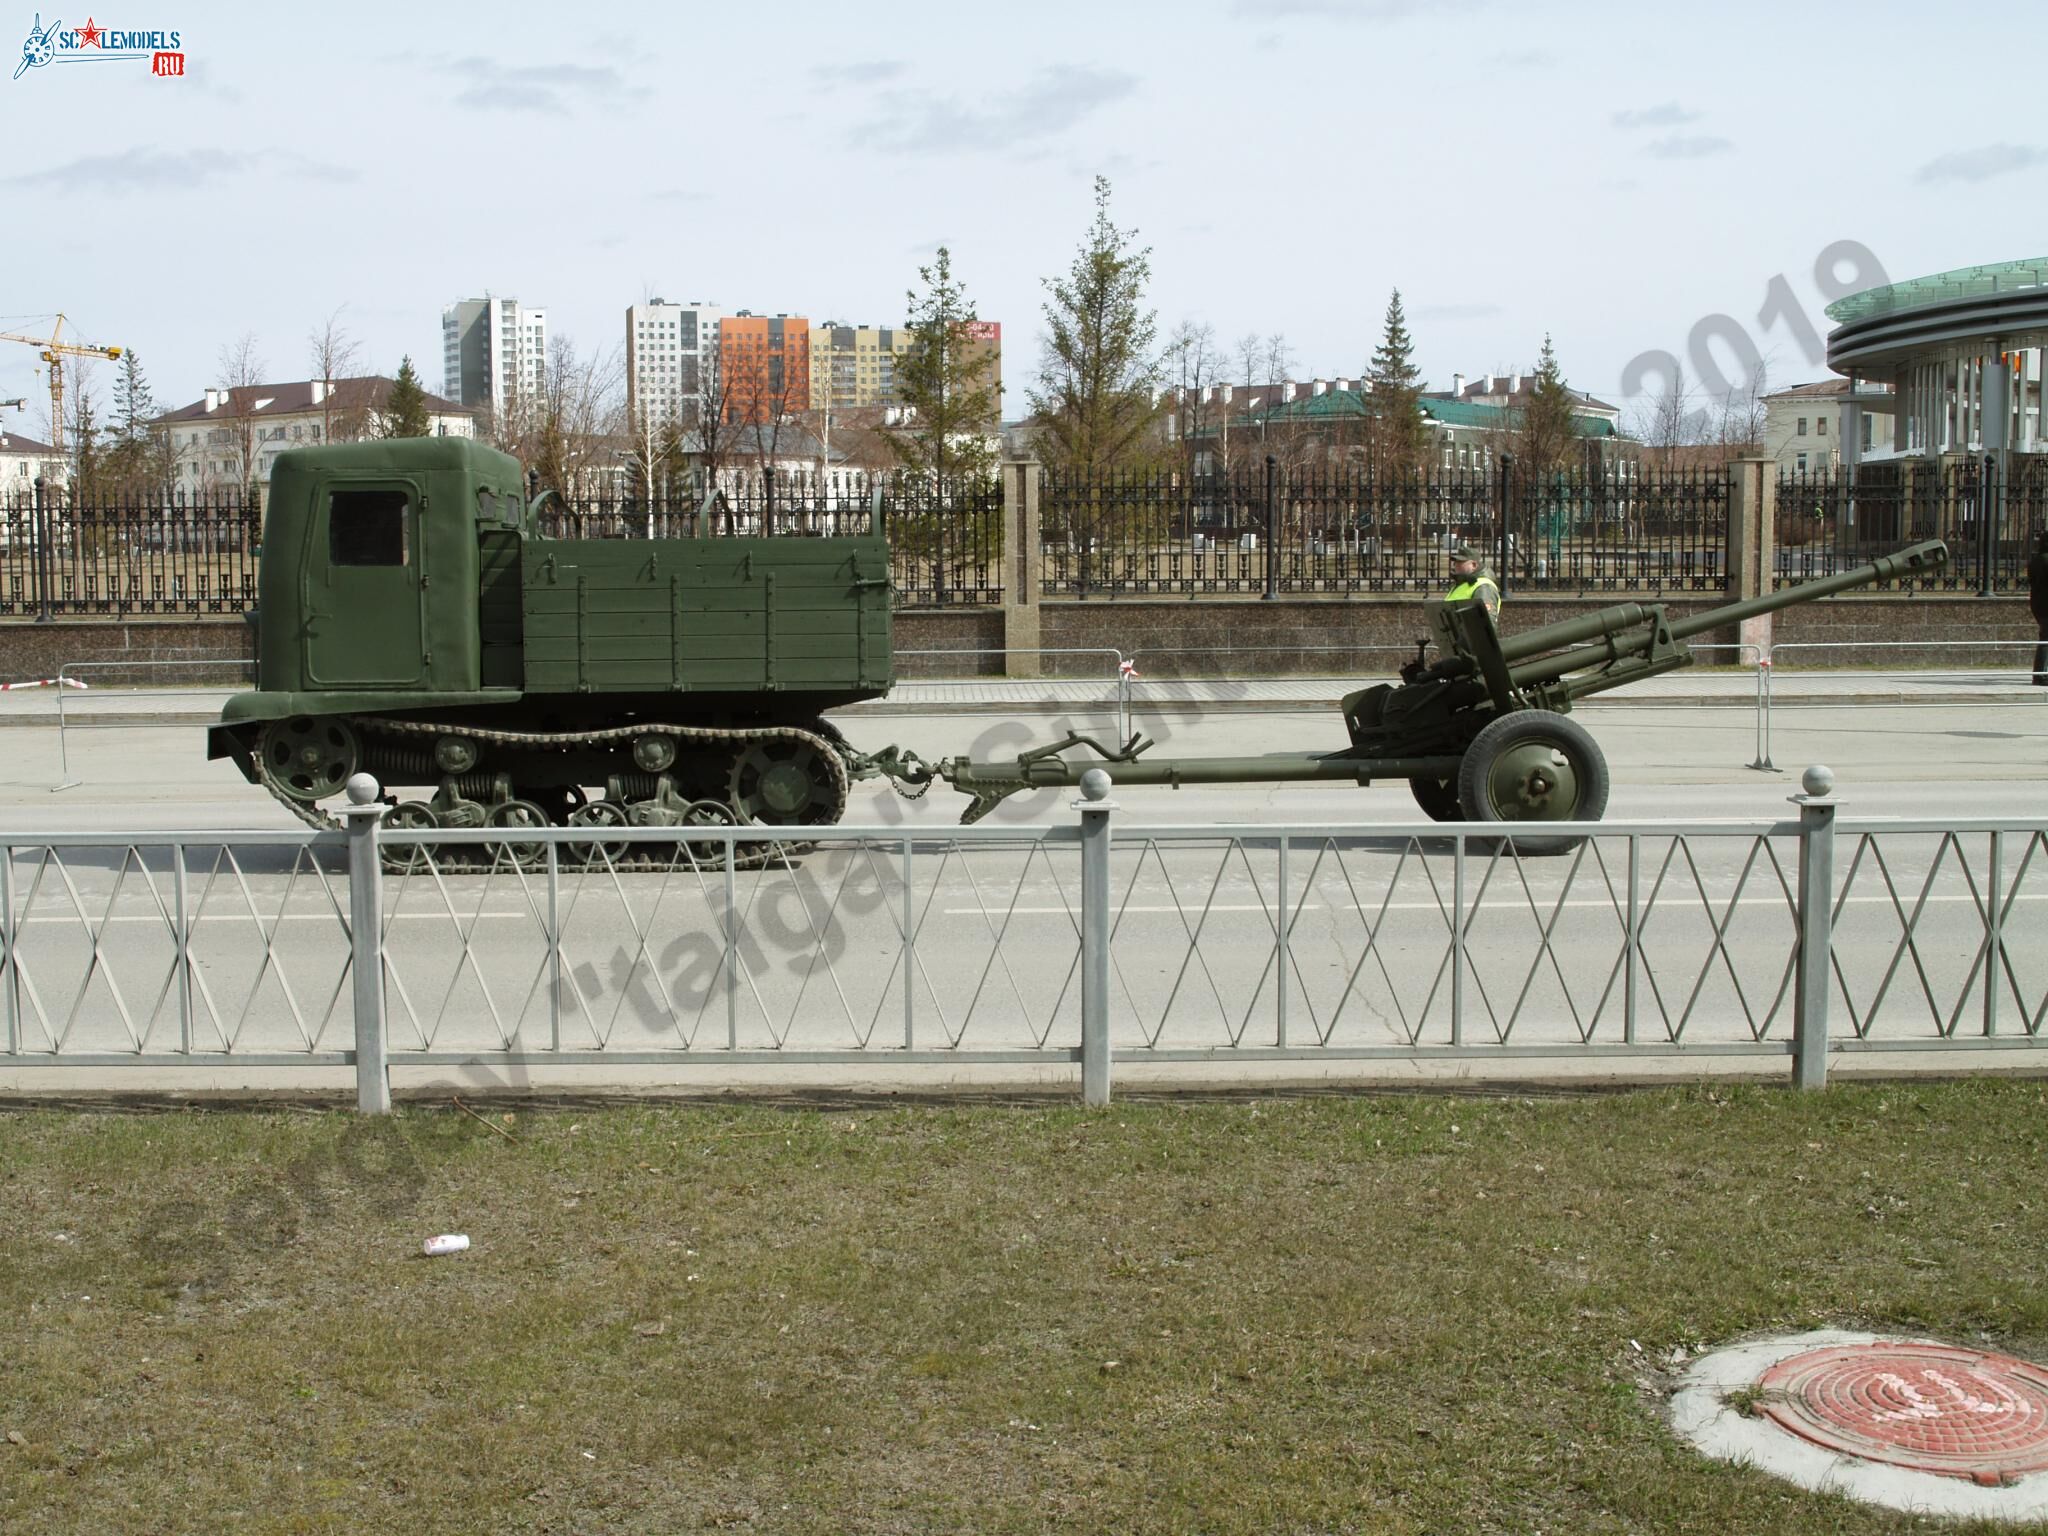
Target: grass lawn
(1408, 1314)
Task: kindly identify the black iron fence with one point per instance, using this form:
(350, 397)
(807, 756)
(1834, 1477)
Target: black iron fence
(1272, 532)
(197, 555)
(188, 555)
(1266, 532)
(946, 538)
(1830, 520)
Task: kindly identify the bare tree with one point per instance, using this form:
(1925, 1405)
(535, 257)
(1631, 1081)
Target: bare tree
(1195, 361)
(568, 429)
(1739, 421)
(240, 369)
(334, 356)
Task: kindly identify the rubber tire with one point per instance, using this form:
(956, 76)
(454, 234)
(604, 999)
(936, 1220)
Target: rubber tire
(1526, 727)
(1438, 798)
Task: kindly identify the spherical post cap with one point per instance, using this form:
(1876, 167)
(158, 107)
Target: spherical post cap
(362, 789)
(1818, 780)
(1095, 785)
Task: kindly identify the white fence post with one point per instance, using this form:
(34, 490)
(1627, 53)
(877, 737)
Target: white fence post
(1095, 807)
(366, 943)
(1816, 927)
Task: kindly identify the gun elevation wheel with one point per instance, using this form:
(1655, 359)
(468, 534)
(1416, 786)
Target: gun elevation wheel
(1534, 765)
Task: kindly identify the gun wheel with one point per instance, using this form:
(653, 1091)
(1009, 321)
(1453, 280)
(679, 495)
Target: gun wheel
(1438, 798)
(1534, 765)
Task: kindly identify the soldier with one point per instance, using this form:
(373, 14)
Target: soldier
(1470, 579)
(2037, 599)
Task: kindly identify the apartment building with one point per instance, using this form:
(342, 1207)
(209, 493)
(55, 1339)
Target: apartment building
(764, 365)
(668, 348)
(493, 352)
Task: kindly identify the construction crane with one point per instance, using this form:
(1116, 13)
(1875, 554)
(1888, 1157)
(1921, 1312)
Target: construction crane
(54, 350)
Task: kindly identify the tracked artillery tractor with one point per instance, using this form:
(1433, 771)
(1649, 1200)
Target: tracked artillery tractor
(1482, 733)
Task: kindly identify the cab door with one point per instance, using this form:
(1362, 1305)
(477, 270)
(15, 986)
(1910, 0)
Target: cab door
(364, 586)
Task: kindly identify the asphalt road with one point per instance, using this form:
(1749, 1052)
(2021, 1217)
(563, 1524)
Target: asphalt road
(821, 961)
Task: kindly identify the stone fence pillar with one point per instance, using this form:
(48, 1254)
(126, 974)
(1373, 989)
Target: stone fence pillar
(1752, 540)
(1023, 569)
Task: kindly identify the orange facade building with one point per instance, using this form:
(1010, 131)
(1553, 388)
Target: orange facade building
(764, 366)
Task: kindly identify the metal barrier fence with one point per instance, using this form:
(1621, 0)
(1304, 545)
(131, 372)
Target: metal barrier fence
(1806, 938)
(1272, 530)
(82, 673)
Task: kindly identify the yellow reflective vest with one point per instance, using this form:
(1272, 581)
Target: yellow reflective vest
(1468, 589)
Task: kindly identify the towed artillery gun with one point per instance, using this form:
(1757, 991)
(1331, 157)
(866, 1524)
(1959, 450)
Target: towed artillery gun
(1481, 734)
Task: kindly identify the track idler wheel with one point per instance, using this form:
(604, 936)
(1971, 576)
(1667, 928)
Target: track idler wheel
(1533, 765)
(783, 783)
(310, 758)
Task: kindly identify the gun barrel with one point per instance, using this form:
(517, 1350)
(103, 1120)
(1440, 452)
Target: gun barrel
(1591, 626)
(1913, 559)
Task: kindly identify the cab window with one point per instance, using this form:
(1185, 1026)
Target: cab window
(367, 528)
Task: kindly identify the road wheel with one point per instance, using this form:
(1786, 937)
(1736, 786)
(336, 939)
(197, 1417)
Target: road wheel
(523, 814)
(408, 815)
(1534, 765)
(599, 813)
(707, 813)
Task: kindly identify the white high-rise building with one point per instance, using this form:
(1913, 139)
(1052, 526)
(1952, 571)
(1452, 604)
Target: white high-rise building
(668, 347)
(493, 351)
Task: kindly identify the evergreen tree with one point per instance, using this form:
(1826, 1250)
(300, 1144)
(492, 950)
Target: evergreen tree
(84, 435)
(1095, 399)
(134, 405)
(1400, 436)
(138, 458)
(945, 377)
(405, 408)
(1546, 427)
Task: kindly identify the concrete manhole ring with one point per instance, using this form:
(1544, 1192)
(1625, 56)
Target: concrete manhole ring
(1912, 1424)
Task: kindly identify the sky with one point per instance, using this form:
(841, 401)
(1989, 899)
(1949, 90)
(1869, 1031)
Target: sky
(1614, 175)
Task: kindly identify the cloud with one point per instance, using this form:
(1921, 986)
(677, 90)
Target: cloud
(551, 89)
(1525, 58)
(168, 170)
(1983, 163)
(866, 72)
(1457, 311)
(1666, 114)
(1679, 146)
(680, 195)
(922, 122)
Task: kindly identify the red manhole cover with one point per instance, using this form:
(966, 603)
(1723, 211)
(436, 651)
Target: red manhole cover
(1957, 1412)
